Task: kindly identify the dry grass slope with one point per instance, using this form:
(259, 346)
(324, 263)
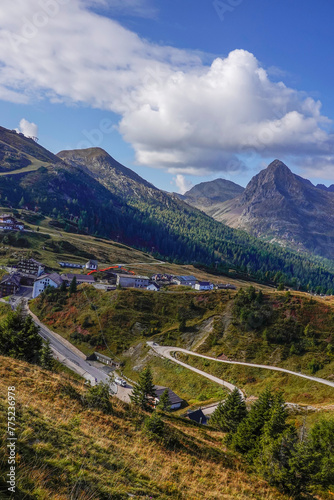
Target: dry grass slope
(65, 452)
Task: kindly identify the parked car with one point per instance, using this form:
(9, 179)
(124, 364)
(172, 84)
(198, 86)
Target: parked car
(120, 381)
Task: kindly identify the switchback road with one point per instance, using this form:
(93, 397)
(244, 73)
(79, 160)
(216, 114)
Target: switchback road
(166, 351)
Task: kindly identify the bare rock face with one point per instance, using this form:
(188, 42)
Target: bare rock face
(283, 207)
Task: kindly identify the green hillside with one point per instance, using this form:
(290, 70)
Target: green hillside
(288, 330)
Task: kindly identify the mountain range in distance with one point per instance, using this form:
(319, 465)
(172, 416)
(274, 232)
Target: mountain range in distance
(276, 205)
(89, 191)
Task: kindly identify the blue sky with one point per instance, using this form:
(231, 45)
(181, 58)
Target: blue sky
(180, 91)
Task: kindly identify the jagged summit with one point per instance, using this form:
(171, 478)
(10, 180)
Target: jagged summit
(277, 165)
(284, 207)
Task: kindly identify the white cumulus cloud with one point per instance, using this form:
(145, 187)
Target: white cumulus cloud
(178, 112)
(182, 183)
(29, 129)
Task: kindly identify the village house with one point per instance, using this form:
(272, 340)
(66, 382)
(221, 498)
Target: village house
(175, 400)
(44, 281)
(203, 285)
(197, 416)
(185, 280)
(132, 280)
(162, 279)
(80, 278)
(30, 266)
(225, 286)
(71, 265)
(153, 287)
(92, 265)
(9, 223)
(9, 284)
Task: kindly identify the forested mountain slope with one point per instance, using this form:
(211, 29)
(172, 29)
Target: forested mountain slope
(109, 200)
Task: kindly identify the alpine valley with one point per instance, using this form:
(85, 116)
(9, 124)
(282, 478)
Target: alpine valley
(88, 191)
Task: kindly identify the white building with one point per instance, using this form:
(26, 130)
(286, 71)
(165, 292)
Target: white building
(132, 280)
(92, 265)
(44, 281)
(153, 287)
(185, 280)
(203, 285)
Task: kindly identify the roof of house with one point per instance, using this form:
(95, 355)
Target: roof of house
(55, 277)
(174, 398)
(154, 284)
(81, 278)
(133, 276)
(11, 277)
(102, 356)
(92, 262)
(203, 283)
(186, 278)
(197, 416)
(31, 260)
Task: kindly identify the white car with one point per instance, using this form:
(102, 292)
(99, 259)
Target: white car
(120, 381)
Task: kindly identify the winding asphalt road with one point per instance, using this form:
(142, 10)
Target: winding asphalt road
(71, 357)
(166, 351)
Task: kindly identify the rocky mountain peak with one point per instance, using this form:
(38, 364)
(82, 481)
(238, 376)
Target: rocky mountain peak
(275, 182)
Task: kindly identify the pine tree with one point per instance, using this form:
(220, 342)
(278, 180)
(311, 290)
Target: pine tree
(73, 285)
(154, 425)
(144, 391)
(164, 402)
(98, 397)
(246, 438)
(46, 359)
(229, 413)
(63, 286)
(313, 460)
(182, 325)
(276, 444)
(19, 337)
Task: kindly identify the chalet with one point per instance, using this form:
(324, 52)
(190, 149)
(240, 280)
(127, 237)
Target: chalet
(197, 416)
(175, 400)
(153, 287)
(203, 285)
(44, 281)
(81, 278)
(9, 223)
(30, 266)
(162, 279)
(132, 280)
(92, 265)
(185, 280)
(9, 284)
